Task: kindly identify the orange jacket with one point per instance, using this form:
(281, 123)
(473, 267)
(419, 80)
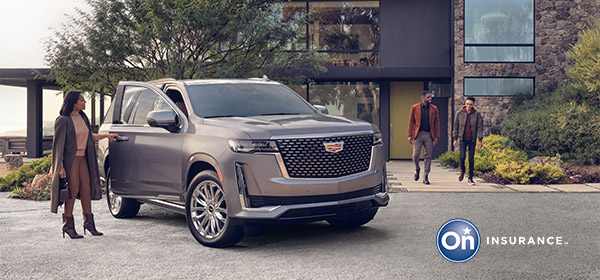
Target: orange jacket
(415, 121)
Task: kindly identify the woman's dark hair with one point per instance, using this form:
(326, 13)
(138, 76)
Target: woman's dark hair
(69, 101)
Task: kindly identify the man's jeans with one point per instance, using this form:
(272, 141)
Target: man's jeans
(423, 139)
(463, 149)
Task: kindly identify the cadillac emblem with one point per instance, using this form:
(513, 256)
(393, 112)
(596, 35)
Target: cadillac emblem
(334, 147)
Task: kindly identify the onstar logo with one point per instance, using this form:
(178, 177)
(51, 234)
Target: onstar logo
(458, 240)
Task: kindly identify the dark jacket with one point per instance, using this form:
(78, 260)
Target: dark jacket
(415, 121)
(64, 147)
(476, 121)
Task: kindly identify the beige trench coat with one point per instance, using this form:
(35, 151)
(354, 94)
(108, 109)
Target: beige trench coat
(64, 147)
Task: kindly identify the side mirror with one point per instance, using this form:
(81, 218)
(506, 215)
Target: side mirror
(321, 109)
(165, 118)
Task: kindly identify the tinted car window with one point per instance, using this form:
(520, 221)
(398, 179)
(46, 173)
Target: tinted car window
(129, 95)
(223, 100)
(145, 104)
(161, 104)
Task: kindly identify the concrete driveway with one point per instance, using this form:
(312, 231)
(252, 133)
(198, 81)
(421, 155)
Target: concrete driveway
(398, 244)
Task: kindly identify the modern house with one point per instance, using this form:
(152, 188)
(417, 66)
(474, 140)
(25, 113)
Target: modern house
(383, 54)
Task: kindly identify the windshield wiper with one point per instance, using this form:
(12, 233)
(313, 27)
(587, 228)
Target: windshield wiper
(273, 114)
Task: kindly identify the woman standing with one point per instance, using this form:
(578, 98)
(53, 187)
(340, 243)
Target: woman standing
(74, 157)
(468, 128)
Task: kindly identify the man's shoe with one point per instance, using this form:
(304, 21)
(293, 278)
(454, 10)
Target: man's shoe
(417, 174)
(461, 176)
(426, 180)
(471, 182)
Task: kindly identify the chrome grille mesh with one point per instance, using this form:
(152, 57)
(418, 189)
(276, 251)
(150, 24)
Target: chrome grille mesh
(307, 157)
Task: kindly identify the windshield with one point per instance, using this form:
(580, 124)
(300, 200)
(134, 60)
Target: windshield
(243, 100)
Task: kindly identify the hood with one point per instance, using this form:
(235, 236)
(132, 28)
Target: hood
(265, 127)
(464, 109)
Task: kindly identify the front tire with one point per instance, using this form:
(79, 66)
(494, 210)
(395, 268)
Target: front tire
(118, 206)
(207, 214)
(355, 221)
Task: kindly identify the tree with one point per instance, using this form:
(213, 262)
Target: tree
(181, 39)
(585, 71)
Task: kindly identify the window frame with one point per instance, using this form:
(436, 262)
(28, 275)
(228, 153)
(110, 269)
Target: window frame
(465, 45)
(464, 93)
(183, 121)
(308, 46)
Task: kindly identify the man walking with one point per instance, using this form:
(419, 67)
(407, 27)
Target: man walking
(468, 128)
(423, 131)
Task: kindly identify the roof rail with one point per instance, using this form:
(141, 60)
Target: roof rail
(264, 78)
(164, 80)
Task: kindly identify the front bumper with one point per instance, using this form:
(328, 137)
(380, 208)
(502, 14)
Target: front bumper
(320, 210)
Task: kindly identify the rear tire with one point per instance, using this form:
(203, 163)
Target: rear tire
(207, 213)
(120, 207)
(355, 221)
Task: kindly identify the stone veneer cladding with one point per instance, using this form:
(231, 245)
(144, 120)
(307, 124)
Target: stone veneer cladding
(556, 26)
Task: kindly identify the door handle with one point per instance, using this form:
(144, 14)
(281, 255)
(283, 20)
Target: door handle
(391, 132)
(122, 138)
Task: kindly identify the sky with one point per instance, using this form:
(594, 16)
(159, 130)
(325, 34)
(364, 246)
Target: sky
(24, 26)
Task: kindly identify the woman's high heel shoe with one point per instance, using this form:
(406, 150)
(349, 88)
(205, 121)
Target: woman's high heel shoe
(89, 225)
(69, 227)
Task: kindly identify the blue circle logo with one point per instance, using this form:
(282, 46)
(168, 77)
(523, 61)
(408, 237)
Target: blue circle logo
(458, 240)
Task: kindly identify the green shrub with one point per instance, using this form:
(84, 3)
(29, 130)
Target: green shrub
(25, 174)
(449, 158)
(585, 69)
(516, 171)
(503, 162)
(548, 173)
(564, 121)
(521, 172)
(496, 149)
(39, 189)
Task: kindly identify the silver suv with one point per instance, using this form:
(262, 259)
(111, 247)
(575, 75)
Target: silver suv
(237, 155)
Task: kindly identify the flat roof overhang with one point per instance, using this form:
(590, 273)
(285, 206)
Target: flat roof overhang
(18, 77)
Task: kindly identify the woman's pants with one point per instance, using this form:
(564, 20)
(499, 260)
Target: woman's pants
(463, 147)
(79, 182)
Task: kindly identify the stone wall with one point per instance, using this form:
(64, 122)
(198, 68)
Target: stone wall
(556, 26)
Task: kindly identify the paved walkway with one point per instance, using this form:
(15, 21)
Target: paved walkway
(400, 179)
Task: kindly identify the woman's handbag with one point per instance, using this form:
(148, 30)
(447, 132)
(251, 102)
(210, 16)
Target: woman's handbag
(64, 192)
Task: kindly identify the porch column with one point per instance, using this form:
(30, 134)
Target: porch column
(34, 119)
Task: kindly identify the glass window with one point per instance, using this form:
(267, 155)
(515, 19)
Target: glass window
(344, 25)
(498, 54)
(498, 86)
(145, 104)
(347, 31)
(161, 104)
(129, 95)
(241, 99)
(499, 31)
(349, 99)
(354, 59)
(296, 11)
(440, 88)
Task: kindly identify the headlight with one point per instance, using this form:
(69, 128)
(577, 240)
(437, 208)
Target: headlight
(251, 146)
(377, 139)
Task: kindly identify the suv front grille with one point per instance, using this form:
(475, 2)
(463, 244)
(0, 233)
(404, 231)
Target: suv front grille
(308, 158)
